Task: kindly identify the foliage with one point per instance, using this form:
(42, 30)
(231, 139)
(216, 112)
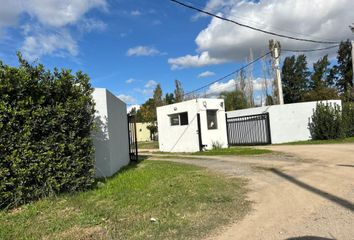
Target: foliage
(216, 145)
(343, 69)
(188, 202)
(348, 117)
(169, 98)
(234, 100)
(295, 75)
(157, 96)
(179, 93)
(327, 122)
(45, 132)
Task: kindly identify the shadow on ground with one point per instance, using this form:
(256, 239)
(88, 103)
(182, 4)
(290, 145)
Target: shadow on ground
(309, 238)
(340, 201)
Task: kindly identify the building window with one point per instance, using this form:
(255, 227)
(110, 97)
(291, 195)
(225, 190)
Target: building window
(183, 118)
(212, 119)
(174, 119)
(179, 119)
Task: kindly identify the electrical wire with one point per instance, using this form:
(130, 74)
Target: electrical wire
(253, 28)
(228, 75)
(309, 50)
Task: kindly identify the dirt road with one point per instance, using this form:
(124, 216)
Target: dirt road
(306, 193)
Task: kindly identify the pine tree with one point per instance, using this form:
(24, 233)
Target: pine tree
(179, 93)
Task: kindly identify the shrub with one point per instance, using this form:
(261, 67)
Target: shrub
(348, 117)
(327, 122)
(45, 125)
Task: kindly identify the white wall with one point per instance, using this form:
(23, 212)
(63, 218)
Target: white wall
(178, 138)
(111, 137)
(288, 122)
(185, 138)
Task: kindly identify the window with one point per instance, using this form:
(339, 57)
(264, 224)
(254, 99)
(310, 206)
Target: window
(212, 119)
(174, 119)
(183, 118)
(179, 119)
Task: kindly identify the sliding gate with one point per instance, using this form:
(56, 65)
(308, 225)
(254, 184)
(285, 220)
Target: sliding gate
(249, 130)
(133, 143)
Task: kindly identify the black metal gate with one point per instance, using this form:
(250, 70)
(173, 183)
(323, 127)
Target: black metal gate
(133, 143)
(249, 130)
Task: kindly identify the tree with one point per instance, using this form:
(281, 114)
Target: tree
(343, 71)
(344, 66)
(169, 98)
(295, 75)
(148, 111)
(321, 82)
(234, 100)
(179, 93)
(157, 96)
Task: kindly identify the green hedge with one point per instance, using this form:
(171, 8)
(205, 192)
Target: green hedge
(348, 117)
(327, 122)
(46, 120)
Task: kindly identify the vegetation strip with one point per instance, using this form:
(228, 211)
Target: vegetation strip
(150, 200)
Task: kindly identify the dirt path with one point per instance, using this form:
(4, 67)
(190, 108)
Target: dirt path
(303, 197)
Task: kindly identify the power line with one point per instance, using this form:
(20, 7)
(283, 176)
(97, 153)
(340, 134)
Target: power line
(309, 50)
(228, 75)
(253, 28)
(243, 18)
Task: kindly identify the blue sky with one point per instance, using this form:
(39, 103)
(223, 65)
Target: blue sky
(127, 46)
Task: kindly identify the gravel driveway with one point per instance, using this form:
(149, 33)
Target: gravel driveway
(302, 192)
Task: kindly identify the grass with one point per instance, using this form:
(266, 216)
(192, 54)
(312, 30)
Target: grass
(331, 141)
(233, 151)
(187, 201)
(148, 145)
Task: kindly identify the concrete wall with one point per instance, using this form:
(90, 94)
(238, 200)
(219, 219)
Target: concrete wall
(111, 136)
(185, 138)
(143, 134)
(288, 122)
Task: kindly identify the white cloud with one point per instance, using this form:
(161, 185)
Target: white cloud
(142, 51)
(150, 84)
(59, 13)
(206, 74)
(47, 32)
(201, 60)
(58, 44)
(135, 13)
(130, 80)
(317, 19)
(127, 99)
(216, 88)
(129, 108)
(89, 25)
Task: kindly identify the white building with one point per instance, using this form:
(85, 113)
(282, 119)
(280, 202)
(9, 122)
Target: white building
(192, 125)
(111, 136)
(288, 122)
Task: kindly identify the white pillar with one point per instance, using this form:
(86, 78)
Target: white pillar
(278, 75)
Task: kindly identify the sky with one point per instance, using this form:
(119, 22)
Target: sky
(129, 46)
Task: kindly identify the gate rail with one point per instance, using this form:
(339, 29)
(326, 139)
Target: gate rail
(133, 143)
(249, 130)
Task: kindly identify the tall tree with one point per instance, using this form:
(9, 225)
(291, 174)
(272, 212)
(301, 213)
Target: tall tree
(178, 91)
(157, 96)
(343, 70)
(234, 100)
(295, 75)
(169, 98)
(321, 77)
(321, 82)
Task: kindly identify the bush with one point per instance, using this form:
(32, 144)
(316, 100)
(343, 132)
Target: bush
(348, 117)
(327, 122)
(45, 126)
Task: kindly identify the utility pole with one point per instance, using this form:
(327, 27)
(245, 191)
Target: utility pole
(276, 55)
(352, 29)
